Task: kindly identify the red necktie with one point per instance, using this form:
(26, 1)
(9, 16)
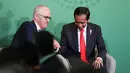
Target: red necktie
(82, 47)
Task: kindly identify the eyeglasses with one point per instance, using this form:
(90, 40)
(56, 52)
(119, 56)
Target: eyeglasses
(46, 17)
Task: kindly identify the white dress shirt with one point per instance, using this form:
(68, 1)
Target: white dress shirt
(84, 34)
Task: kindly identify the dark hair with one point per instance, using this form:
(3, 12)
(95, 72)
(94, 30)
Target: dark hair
(82, 10)
(44, 42)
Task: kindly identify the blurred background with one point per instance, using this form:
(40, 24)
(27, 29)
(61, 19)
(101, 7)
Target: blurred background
(112, 15)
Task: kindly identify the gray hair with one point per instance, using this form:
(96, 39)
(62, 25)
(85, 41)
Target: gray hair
(37, 9)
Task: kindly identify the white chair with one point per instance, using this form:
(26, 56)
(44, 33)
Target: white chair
(110, 62)
(65, 62)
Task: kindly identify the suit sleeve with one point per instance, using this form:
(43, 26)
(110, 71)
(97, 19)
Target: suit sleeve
(100, 44)
(63, 42)
(29, 35)
(30, 53)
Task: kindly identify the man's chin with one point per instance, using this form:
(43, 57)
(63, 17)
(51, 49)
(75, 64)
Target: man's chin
(81, 28)
(44, 27)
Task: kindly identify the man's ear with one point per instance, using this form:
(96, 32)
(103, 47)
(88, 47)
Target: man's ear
(36, 16)
(87, 20)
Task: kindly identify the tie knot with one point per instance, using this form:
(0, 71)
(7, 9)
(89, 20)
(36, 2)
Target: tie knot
(82, 31)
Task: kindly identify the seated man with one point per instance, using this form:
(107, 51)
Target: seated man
(26, 32)
(79, 39)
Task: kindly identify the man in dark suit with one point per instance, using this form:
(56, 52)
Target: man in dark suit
(79, 39)
(26, 32)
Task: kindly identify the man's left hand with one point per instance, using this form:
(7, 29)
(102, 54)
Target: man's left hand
(97, 63)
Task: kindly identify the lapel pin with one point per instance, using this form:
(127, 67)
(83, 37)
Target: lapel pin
(90, 31)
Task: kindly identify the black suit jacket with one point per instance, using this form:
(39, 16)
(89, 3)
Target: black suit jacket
(24, 34)
(69, 41)
(22, 39)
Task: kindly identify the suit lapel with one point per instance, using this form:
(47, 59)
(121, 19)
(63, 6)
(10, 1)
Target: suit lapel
(34, 26)
(34, 31)
(89, 36)
(75, 38)
(74, 34)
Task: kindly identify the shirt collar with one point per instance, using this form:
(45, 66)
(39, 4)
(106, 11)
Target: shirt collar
(83, 29)
(38, 28)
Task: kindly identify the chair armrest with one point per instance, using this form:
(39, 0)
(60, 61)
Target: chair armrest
(110, 64)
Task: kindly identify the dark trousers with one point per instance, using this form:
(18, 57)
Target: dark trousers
(76, 62)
